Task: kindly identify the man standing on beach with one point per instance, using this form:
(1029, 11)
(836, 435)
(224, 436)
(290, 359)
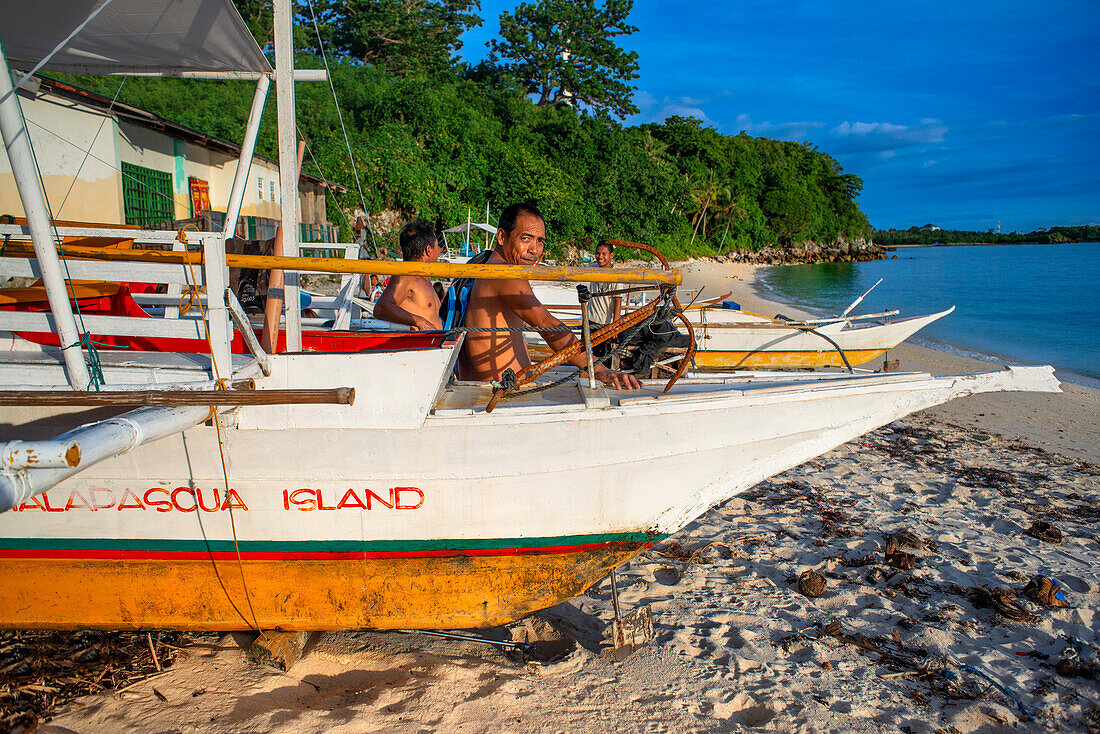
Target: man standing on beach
(496, 304)
(602, 310)
(411, 299)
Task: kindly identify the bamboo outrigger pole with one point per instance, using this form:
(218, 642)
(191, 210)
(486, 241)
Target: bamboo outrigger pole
(176, 398)
(386, 267)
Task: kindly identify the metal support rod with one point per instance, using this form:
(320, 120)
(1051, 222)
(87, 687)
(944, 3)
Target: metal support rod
(18, 144)
(39, 454)
(244, 162)
(244, 326)
(586, 331)
(96, 442)
(288, 173)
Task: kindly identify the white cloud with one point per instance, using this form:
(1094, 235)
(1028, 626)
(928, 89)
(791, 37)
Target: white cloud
(653, 110)
(782, 130)
(693, 101)
(887, 136)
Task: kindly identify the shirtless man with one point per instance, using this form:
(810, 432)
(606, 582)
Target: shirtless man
(499, 303)
(411, 299)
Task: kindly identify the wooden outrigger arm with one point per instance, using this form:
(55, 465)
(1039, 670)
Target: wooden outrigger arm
(384, 267)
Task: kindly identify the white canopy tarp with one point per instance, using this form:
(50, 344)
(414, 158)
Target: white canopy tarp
(162, 37)
(467, 227)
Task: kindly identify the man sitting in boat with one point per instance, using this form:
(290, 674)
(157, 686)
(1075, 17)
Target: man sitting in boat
(411, 299)
(511, 303)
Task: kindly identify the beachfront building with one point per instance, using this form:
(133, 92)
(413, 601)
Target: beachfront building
(110, 163)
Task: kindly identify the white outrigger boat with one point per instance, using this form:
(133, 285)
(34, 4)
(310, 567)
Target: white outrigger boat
(734, 339)
(357, 485)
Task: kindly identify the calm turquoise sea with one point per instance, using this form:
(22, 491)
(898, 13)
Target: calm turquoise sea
(1030, 304)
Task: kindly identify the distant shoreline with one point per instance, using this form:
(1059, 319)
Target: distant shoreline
(980, 244)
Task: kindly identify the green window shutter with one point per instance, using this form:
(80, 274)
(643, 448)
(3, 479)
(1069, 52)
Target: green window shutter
(146, 195)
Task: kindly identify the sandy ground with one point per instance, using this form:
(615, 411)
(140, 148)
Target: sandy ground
(924, 648)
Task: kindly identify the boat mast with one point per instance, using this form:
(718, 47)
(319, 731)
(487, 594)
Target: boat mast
(17, 142)
(288, 173)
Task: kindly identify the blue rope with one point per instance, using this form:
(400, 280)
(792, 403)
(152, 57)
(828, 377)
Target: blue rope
(1024, 712)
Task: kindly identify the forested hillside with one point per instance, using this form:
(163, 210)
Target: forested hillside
(437, 138)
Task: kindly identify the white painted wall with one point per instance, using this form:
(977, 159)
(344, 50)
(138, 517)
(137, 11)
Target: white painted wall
(61, 132)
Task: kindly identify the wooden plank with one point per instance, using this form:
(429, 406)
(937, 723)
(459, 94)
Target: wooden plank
(114, 325)
(386, 267)
(164, 236)
(174, 398)
(22, 267)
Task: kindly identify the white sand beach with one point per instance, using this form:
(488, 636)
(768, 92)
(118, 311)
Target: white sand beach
(917, 644)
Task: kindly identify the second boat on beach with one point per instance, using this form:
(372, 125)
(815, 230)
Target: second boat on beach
(728, 338)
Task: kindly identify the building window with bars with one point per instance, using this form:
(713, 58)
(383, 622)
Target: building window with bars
(146, 196)
(260, 187)
(273, 189)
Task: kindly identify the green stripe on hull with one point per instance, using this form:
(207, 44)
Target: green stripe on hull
(325, 546)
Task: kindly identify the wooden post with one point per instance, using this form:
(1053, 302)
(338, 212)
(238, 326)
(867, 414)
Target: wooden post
(273, 309)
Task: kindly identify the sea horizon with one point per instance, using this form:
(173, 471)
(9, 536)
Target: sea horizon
(1015, 303)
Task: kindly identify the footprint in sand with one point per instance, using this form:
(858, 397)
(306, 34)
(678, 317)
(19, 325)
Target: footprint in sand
(666, 575)
(744, 710)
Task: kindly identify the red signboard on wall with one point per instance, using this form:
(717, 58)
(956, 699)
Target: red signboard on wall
(200, 196)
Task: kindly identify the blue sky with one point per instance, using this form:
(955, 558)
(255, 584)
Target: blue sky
(955, 113)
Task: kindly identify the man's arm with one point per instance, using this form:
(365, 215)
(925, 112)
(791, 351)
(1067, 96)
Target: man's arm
(518, 296)
(389, 305)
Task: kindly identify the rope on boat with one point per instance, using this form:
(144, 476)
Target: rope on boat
(532, 329)
(826, 337)
(509, 378)
(220, 384)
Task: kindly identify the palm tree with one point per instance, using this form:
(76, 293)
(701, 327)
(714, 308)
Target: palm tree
(706, 195)
(732, 209)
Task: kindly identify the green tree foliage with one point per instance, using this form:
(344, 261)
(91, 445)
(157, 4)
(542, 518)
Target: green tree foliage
(403, 36)
(563, 51)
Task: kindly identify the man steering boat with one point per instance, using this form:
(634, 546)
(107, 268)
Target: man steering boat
(511, 304)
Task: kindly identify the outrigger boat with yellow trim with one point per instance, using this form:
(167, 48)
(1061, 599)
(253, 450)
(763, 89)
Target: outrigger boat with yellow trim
(735, 339)
(346, 481)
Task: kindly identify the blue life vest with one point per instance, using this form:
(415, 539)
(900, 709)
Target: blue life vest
(452, 311)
